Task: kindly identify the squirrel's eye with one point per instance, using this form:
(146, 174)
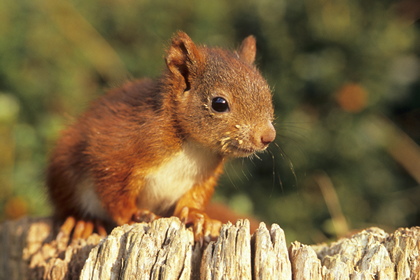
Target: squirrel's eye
(219, 104)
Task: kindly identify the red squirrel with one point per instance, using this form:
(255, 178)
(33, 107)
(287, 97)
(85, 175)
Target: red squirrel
(156, 148)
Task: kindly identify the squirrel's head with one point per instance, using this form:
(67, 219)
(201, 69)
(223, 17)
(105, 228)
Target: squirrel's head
(220, 99)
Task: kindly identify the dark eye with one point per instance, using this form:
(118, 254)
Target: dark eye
(219, 104)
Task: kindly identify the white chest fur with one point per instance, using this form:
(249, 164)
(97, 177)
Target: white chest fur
(176, 176)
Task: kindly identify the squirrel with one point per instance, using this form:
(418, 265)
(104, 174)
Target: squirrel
(156, 148)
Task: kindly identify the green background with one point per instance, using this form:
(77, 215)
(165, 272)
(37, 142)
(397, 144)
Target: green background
(345, 79)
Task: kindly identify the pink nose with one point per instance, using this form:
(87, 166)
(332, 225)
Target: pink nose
(268, 135)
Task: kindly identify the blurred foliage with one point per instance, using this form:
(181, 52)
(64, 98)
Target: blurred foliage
(345, 79)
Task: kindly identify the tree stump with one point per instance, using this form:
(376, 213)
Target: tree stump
(165, 249)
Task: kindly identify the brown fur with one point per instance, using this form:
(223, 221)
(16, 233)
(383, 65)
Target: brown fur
(134, 130)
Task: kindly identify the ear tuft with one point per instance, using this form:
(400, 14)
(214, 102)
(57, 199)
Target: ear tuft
(183, 57)
(248, 49)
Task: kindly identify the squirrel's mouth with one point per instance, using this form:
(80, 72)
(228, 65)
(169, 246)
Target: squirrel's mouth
(241, 152)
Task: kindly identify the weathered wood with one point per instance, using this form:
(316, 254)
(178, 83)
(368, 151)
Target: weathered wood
(368, 254)
(162, 250)
(230, 256)
(165, 249)
(29, 251)
(270, 255)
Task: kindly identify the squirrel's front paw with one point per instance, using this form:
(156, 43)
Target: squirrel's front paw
(204, 228)
(144, 216)
(77, 228)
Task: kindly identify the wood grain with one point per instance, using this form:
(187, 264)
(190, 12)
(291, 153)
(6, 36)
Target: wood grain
(165, 249)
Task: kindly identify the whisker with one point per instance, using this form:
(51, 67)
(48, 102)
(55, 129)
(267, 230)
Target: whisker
(230, 178)
(243, 172)
(236, 175)
(274, 175)
(257, 156)
(245, 169)
(292, 130)
(289, 161)
(251, 159)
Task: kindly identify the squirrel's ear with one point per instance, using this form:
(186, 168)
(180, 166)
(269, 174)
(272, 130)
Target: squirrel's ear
(183, 57)
(248, 49)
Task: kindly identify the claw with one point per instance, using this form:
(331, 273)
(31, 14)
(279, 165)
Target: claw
(183, 215)
(88, 230)
(100, 229)
(67, 226)
(198, 226)
(74, 229)
(212, 228)
(144, 216)
(204, 228)
(78, 229)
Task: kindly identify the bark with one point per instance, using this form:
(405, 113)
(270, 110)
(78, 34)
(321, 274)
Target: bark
(165, 249)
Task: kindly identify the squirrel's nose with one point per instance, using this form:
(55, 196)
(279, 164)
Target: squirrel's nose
(268, 135)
